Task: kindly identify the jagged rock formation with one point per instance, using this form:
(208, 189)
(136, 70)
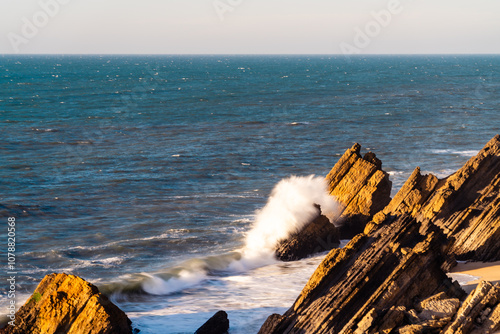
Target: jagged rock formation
(363, 284)
(318, 236)
(67, 304)
(217, 324)
(466, 205)
(478, 314)
(361, 186)
(391, 278)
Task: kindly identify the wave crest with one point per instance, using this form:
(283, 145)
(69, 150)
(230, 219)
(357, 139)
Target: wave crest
(290, 206)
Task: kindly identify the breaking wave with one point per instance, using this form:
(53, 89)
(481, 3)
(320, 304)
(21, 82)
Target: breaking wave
(290, 206)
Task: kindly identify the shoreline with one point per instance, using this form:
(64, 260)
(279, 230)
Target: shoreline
(471, 273)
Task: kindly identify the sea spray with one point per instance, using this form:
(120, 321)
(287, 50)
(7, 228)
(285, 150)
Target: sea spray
(289, 208)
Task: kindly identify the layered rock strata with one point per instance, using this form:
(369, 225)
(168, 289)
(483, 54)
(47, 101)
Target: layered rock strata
(361, 186)
(465, 205)
(67, 304)
(354, 288)
(479, 313)
(391, 278)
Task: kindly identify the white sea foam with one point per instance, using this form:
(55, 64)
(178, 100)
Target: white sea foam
(288, 209)
(465, 153)
(397, 173)
(247, 297)
(156, 285)
(463, 279)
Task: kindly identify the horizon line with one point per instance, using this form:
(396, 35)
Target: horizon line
(249, 54)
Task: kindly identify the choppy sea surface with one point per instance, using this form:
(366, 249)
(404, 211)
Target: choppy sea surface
(144, 174)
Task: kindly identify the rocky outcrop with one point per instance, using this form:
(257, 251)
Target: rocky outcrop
(479, 313)
(371, 282)
(318, 236)
(391, 278)
(67, 304)
(466, 205)
(217, 324)
(361, 186)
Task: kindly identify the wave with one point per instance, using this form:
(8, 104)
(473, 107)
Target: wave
(74, 264)
(157, 286)
(174, 279)
(465, 153)
(290, 206)
(298, 123)
(215, 195)
(443, 173)
(44, 130)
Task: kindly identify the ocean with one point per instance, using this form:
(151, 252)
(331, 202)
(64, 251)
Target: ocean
(145, 174)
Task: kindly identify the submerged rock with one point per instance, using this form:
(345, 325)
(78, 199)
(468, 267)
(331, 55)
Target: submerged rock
(361, 186)
(68, 304)
(217, 324)
(318, 236)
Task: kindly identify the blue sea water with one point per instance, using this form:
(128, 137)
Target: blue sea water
(145, 172)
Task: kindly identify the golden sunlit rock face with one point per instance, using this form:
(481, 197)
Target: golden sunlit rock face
(361, 187)
(68, 304)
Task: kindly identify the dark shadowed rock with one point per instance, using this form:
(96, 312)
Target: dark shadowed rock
(361, 186)
(479, 313)
(67, 304)
(318, 236)
(217, 324)
(270, 324)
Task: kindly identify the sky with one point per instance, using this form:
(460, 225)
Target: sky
(249, 26)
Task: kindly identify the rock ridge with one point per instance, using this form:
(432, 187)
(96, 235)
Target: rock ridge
(391, 278)
(364, 279)
(465, 205)
(361, 186)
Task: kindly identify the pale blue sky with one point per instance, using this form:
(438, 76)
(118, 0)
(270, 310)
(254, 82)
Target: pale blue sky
(249, 26)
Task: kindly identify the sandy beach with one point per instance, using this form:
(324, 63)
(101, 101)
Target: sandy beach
(469, 274)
